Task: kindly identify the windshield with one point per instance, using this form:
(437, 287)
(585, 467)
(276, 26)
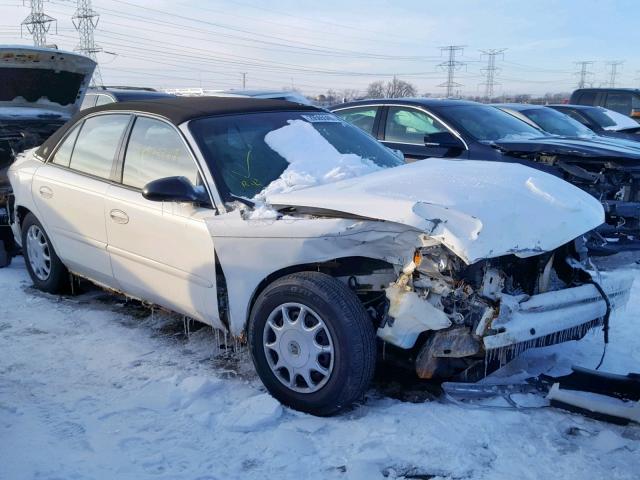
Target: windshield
(254, 154)
(557, 123)
(610, 120)
(489, 124)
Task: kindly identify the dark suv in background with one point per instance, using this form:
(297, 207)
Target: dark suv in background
(621, 100)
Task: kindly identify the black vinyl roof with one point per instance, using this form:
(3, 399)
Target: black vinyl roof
(178, 110)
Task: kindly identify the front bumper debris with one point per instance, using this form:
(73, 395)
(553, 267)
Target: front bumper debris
(549, 318)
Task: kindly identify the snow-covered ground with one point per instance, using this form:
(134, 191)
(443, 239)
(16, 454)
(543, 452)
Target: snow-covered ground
(91, 388)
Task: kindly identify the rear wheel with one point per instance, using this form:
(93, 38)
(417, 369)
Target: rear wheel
(312, 343)
(45, 268)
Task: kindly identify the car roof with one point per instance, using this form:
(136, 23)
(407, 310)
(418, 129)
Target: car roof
(427, 102)
(606, 89)
(178, 110)
(519, 107)
(576, 107)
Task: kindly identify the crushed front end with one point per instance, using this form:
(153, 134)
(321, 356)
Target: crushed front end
(465, 321)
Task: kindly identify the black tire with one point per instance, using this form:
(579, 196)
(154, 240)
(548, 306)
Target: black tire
(5, 255)
(58, 279)
(352, 334)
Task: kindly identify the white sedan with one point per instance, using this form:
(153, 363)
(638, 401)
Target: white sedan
(282, 224)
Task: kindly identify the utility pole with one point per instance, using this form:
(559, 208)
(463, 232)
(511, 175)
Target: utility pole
(613, 71)
(451, 65)
(38, 23)
(244, 80)
(85, 19)
(491, 70)
(583, 72)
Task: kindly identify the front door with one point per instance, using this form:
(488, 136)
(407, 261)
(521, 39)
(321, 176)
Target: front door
(160, 251)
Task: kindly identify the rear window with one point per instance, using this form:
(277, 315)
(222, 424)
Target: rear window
(586, 98)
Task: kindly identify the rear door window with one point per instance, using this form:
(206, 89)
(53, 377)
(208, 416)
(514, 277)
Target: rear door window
(156, 150)
(104, 100)
(362, 117)
(586, 98)
(97, 144)
(619, 102)
(88, 101)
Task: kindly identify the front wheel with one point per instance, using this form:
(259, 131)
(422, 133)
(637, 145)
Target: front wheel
(312, 343)
(45, 268)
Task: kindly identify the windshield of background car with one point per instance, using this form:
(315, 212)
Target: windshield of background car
(489, 124)
(244, 163)
(557, 123)
(610, 120)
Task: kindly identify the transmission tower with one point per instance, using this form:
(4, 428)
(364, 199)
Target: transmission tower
(583, 72)
(38, 23)
(451, 65)
(491, 70)
(613, 71)
(85, 19)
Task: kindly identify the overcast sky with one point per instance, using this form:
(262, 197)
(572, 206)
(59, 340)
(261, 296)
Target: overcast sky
(317, 45)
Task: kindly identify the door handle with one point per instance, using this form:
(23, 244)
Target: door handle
(118, 216)
(45, 192)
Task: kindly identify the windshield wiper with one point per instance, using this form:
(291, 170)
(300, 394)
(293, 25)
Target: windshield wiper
(246, 201)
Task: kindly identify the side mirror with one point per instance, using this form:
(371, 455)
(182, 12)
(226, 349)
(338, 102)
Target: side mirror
(174, 189)
(443, 140)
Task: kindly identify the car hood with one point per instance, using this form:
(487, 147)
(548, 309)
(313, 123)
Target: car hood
(478, 209)
(47, 80)
(577, 147)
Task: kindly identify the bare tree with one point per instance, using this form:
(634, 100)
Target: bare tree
(376, 89)
(393, 89)
(399, 88)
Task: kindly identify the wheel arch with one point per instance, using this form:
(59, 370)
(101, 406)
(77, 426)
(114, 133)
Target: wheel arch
(347, 266)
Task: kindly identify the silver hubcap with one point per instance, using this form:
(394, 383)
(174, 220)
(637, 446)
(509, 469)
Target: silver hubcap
(38, 252)
(298, 347)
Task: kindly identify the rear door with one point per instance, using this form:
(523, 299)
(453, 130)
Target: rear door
(69, 194)
(161, 252)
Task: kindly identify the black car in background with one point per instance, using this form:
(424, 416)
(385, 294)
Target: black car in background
(104, 95)
(423, 128)
(602, 121)
(557, 123)
(622, 100)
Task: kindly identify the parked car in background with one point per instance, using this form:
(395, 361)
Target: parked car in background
(622, 100)
(283, 223)
(602, 121)
(264, 94)
(557, 123)
(40, 89)
(442, 128)
(98, 96)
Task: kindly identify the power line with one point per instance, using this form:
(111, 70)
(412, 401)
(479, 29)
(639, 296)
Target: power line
(38, 23)
(491, 70)
(85, 19)
(451, 65)
(583, 72)
(613, 71)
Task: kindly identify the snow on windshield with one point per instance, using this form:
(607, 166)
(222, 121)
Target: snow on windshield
(312, 159)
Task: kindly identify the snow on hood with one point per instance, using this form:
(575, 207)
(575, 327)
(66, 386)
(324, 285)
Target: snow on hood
(478, 209)
(312, 159)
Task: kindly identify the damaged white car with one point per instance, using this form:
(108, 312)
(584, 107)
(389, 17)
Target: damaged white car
(282, 223)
